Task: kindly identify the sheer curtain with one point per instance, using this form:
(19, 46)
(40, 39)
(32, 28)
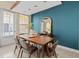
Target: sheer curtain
(6, 27)
(8, 23)
(24, 24)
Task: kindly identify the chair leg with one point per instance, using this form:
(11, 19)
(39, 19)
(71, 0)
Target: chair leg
(43, 51)
(30, 56)
(19, 51)
(15, 49)
(55, 54)
(48, 53)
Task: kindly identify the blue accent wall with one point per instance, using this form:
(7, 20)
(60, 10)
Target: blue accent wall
(78, 25)
(65, 19)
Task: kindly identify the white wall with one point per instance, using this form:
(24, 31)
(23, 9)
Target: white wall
(1, 26)
(7, 40)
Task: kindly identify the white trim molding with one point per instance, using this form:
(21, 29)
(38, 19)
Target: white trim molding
(69, 49)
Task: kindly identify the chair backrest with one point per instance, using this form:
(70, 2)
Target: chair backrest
(22, 33)
(42, 34)
(17, 40)
(23, 43)
(54, 44)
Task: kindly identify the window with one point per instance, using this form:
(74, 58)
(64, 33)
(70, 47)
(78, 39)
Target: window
(24, 24)
(8, 23)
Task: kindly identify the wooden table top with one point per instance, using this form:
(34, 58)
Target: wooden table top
(41, 40)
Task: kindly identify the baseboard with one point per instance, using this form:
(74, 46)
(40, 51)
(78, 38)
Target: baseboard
(69, 49)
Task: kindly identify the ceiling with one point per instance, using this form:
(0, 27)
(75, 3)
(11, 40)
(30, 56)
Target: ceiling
(6, 4)
(31, 7)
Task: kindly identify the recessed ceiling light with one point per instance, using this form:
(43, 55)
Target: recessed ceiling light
(44, 1)
(24, 11)
(29, 9)
(35, 6)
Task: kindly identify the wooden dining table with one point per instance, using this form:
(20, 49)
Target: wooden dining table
(38, 40)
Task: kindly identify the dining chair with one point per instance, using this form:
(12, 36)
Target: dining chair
(51, 48)
(27, 47)
(17, 45)
(46, 34)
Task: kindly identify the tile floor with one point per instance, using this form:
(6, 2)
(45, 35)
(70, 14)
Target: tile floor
(7, 52)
